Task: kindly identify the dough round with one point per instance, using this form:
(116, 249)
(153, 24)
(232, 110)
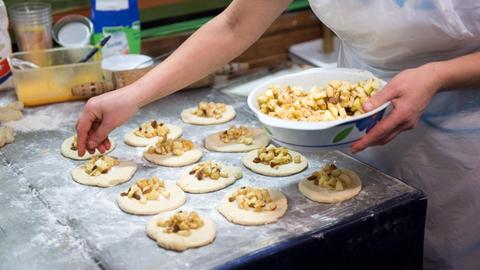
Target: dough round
(152, 207)
(133, 140)
(171, 160)
(236, 215)
(283, 170)
(190, 183)
(213, 142)
(199, 237)
(324, 195)
(189, 118)
(116, 175)
(69, 153)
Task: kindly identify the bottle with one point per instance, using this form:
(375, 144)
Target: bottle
(5, 50)
(121, 20)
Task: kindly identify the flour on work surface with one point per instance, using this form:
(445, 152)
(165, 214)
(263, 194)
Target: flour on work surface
(48, 118)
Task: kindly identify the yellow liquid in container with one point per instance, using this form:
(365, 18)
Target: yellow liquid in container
(53, 81)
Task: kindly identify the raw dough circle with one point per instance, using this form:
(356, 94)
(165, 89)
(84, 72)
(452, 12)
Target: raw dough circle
(324, 195)
(133, 140)
(199, 237)
(171, 160)
(189, 118)
(152, 207)
(213, 142)
(236, 215)
(69, 153)
(116, 175)
(283, 170)
(190, 183)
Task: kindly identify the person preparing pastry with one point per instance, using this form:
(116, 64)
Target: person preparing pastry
(427, 50)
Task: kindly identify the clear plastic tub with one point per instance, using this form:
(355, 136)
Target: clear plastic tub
(59, 71)
(32, 25)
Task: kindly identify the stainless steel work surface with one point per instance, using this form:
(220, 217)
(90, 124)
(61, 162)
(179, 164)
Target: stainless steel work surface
(49, 221)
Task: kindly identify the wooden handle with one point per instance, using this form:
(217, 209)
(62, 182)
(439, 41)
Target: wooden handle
(124, 78)
(232, 68)
(92, 89)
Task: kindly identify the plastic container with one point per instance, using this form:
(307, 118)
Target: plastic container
(315, 136)
(32, 25)
(59, 71)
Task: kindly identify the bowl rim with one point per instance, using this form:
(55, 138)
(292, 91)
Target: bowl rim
(304, 125)
(108, 63)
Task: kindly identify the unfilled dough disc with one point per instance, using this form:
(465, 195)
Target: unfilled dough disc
(152, 207)
(171, 160)
(189, 183)
(199, 237)
(249, 217)
(283, 170)
(324, 195)
(133, 140)
(213, 142)
(189, 118)
(116, 175)
(69, 153)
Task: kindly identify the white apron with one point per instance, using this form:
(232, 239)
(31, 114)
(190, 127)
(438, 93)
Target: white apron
(442, 155)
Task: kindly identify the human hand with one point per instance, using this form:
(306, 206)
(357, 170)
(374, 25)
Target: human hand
(410, 92)
(100, 116)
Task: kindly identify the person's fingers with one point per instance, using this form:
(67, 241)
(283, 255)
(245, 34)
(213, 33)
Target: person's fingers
(91, 151)
(90, 144)
(99, 135)
(390, 137)
(101, 148)
(84, 124)
(386, 94)
(104, 146)
(107, 143)
(381, 131)
(406, 125)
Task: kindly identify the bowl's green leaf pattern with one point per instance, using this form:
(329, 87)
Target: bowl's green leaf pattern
(342, 134)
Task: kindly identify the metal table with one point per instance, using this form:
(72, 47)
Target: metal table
(47, 221)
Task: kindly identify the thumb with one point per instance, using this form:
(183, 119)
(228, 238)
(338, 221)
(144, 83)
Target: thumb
(382, 96)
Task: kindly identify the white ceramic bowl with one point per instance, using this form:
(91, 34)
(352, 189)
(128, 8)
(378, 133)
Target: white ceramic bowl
(124, 62)
(314, 136)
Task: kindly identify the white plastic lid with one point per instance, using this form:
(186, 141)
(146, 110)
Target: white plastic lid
(74, 34)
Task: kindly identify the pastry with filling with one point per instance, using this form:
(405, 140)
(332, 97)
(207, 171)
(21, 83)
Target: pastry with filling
(208, 176)
(149, 132)
(253, 206)
(275, 161)
(173, 153)
(208, 113)
(331, 185)
(237, 139)
(151, 196)
(181, 230)
(69, 149)
(104, 171)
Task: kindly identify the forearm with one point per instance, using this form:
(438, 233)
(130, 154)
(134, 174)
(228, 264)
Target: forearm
(458, 73)
(213, 45)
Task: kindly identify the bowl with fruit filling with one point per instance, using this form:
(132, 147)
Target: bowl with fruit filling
(318, 108)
